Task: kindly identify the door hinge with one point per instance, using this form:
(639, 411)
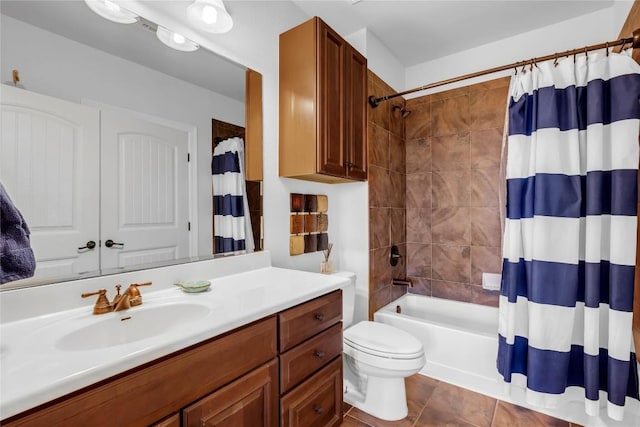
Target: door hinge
(189, 225)
(188, 157)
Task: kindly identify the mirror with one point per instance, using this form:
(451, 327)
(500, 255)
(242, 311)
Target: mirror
(151, 185)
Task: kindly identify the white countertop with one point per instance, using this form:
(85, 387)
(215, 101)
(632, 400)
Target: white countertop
(34, 370)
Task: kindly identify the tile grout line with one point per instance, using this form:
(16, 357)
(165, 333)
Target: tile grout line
(495, 411)
(426, 402)
(420, 413)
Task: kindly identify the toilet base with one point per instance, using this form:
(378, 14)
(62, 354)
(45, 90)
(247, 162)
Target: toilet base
(385, 398)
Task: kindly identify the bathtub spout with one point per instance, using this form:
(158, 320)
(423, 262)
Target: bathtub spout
(402, 282)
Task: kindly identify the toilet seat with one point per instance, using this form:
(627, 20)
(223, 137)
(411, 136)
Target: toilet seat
(382, 340)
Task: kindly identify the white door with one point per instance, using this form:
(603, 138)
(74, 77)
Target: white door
(144, 189)
(49, 163)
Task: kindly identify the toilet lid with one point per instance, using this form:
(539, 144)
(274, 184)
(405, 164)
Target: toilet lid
(383, 340)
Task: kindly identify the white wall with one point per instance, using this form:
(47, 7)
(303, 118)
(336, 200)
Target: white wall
(59, 67)
(593, 28)
(384, 64)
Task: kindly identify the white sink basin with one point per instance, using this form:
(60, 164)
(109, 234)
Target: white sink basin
(131, 325)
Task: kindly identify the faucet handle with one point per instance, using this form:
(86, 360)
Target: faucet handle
(134, 294)
(118, 296)
(102, 304)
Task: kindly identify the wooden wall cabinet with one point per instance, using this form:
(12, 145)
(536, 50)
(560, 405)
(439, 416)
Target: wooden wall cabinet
(322, 106)
(253, 126)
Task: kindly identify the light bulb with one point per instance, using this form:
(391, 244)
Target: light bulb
(209, 14)
(178, 38)
(175, 40)
(112, 11)
(112, 6)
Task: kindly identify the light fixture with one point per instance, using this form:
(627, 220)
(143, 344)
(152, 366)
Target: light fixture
(210, 16)
(175, 40)
(111, 11)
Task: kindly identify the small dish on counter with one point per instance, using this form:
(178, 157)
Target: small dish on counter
(194, 286)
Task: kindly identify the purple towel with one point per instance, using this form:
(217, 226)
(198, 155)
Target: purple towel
(16, 257)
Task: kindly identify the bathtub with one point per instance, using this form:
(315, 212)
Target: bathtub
(458, 349)
(461, 345)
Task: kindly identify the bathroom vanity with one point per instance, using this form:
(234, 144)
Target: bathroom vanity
(260, 348)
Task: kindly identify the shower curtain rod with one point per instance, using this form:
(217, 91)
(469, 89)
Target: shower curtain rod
(635, 43)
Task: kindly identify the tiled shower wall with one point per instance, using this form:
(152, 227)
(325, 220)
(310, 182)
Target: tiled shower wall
(453, 144)
(387, 179)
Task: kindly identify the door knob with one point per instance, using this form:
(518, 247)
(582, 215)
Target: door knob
(109, 243)
(89, 245)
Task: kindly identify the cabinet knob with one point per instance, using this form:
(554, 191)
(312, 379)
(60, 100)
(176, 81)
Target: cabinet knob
(319, 354)
(349, 165)
(319, 317)
(318, 410)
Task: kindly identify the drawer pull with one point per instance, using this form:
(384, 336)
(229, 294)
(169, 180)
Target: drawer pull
(318, 410)
(319, 317)
(319, 354)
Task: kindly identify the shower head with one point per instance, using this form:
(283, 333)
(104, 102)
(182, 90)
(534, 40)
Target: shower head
(404, 113)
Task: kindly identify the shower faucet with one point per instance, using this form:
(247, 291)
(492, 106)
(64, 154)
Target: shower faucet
(395, 256)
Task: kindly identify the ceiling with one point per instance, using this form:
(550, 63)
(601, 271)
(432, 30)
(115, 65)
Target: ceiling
(416, 31)
(136, 42)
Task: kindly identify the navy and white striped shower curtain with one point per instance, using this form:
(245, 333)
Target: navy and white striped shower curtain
(570, 233)
(231, 223)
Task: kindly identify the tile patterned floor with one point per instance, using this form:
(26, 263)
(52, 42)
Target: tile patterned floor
(434, 403)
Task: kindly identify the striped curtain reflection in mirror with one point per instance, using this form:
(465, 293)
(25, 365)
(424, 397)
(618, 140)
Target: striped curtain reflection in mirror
(569, 240)
(232, 227)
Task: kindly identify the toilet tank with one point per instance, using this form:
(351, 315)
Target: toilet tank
(348, 297)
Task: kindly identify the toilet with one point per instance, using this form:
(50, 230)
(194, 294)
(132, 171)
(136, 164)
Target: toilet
(376, 360)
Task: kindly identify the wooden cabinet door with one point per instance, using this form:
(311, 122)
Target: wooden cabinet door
(316, 402)
(250, 401)
(331, 102)
(355, 114)
(253, 120)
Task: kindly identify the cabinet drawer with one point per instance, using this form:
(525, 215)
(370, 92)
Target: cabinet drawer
(316, 402)
(305, 320)
(306, 358)
(249, 401)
